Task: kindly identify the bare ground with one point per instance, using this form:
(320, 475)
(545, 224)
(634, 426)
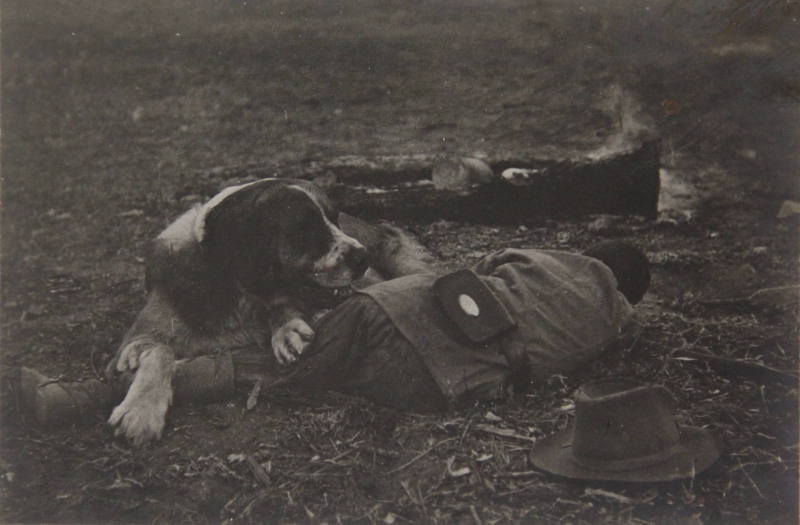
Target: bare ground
(116, 116)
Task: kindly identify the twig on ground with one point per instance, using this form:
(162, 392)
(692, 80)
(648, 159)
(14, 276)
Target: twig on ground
(419, 456)
(252, 398)
(518, 474)
(466, 429)
(504, 432)
(726, 365)
(753, 483)
(475, 516)
(258, 471)
(613, 496)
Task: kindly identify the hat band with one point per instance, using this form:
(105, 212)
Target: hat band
(628, 463)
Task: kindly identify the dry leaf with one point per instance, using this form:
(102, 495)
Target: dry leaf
(457, 473)
(252, 398)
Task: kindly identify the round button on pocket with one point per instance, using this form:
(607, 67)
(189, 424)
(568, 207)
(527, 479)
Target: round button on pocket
(468, 305)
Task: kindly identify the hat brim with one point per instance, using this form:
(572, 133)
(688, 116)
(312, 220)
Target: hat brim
(696, 451)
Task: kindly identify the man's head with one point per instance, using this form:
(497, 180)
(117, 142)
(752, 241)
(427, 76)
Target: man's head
(629, 265)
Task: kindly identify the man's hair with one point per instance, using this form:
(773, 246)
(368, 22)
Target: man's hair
(629, 265)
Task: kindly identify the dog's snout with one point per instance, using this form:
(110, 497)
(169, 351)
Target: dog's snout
(357, 260)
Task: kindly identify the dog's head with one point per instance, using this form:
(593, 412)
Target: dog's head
(276, 232)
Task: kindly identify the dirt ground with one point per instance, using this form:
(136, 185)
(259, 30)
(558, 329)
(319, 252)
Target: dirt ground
(117, 115)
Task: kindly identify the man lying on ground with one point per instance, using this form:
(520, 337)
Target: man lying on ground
(396, 343)
(425, 342)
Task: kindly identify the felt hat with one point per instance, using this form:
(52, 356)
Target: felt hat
(624, 431)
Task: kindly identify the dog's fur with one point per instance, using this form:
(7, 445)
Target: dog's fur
(249, 267)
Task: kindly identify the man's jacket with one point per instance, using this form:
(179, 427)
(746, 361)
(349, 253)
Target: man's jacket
(566, 308)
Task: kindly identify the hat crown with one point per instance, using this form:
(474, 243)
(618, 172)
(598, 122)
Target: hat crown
(620, 422)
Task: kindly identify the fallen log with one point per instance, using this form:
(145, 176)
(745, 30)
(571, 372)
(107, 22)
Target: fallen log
(624, 181)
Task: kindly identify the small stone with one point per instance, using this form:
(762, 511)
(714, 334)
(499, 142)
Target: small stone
(131, 213)
(749, 154)
(519, 176)
(58, 216)
(190, 198)
(674, 218)
(788, 208)
(491, 416)
(604, 224)
(35, 310)
(665, 257)
(461, 175)
(743, 274)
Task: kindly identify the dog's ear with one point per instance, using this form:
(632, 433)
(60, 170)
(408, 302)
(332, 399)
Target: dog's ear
(200, 292)
(241, 239)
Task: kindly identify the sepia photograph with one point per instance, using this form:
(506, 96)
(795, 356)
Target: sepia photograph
(399, 262)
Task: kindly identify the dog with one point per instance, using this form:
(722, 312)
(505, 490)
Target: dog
(249, 267)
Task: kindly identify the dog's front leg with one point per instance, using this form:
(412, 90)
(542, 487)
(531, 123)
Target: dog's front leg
(291, 333)
(142, 414)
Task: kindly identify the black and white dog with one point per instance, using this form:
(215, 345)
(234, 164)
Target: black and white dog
(247, 267)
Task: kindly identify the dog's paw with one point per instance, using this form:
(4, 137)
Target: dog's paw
(289, 341)
(141, 421)
(142, 414)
